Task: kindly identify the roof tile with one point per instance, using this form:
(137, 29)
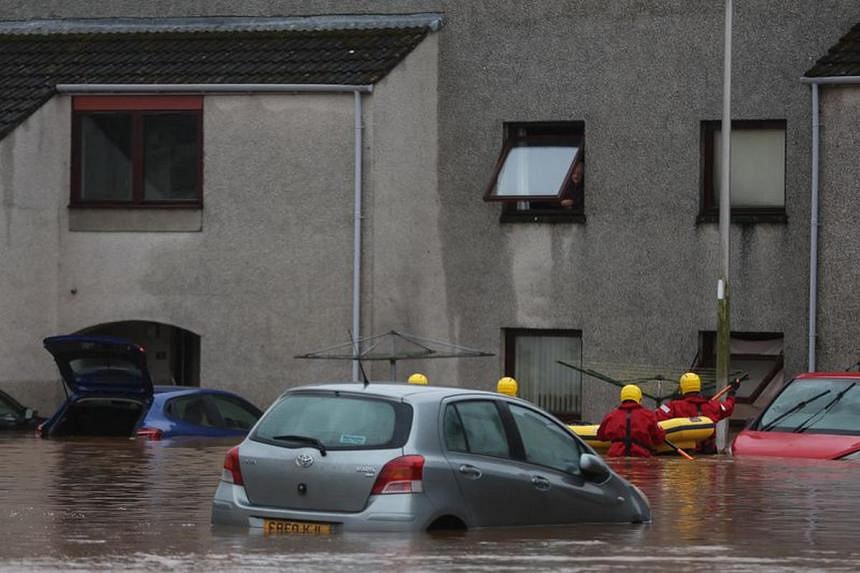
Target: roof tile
(842, 59)
(32, 65)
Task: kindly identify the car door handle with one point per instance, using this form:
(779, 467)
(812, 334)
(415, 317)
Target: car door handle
(470, 472)
(541, 483)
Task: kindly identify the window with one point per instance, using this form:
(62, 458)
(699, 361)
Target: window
(235, 415)
(544, 442)
(130, 151)
(756, 354)
(340, 422)
(531, 356)
(476, 427)
(540, 173)
(192, 409)
(757, 170)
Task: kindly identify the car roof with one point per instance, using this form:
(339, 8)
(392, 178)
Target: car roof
(188, 390)
(827, 375)
(399, 390)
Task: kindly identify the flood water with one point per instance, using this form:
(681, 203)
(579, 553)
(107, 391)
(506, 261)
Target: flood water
(111, 504)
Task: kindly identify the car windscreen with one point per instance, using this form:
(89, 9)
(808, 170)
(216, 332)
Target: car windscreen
(339, 421)
(815, 406)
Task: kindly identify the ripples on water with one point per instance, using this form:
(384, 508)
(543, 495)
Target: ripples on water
(133, 505)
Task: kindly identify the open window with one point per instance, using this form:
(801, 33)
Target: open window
(132, 151)
(540, 173)
(757, 171)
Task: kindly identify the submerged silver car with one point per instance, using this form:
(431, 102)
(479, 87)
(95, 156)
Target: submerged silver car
(397, 457)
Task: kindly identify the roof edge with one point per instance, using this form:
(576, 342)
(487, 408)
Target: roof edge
(830, 80)
(432, 21)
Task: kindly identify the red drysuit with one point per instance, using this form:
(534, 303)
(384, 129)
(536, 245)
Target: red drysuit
(632, 429)
(693, 405)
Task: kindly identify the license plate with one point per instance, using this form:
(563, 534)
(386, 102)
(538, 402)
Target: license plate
(283, 527)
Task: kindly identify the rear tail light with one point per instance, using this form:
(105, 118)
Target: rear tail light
(401, 475)
(39, 429)
(232, 472)
(149, 433)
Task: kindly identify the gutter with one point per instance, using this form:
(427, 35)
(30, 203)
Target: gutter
(815, 82)
(107, 89)
(357, 90)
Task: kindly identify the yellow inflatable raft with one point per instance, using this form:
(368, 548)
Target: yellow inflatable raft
(683, 432)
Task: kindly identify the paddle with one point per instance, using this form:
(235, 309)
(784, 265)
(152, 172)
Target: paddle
(679, 450)
(719, 394)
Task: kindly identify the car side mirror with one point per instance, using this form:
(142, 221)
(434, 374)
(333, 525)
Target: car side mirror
(28, 414)
(594, 468)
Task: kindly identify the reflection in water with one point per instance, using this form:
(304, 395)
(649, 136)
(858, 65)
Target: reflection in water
(125, 504)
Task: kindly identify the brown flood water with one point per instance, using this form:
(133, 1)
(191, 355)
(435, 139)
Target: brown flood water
(111, 504)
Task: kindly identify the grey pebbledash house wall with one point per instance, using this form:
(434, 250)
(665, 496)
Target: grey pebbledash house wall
(637, 278)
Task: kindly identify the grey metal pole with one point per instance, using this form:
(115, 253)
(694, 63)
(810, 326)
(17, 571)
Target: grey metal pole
(356, 255)
(723, 290)
(813, 231)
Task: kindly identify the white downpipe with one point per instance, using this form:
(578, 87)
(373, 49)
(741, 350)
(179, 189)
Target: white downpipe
(813, 230)
(356, 255)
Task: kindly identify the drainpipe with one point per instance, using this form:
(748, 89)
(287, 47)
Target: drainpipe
(356, 240)
(813, 232)
(202, 89)
(813, 217)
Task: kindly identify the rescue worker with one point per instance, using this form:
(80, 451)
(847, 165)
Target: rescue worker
(418, 378)
(507, 386)
(631, 428)
(692, 404)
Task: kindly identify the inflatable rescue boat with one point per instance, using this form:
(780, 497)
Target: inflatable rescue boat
(683, 432)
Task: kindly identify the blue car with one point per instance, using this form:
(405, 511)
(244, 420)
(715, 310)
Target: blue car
(110, 393)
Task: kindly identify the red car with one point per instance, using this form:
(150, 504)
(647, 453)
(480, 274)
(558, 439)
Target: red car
(816, 415)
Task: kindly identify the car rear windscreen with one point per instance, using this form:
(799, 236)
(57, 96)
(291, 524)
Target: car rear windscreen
(339, 421)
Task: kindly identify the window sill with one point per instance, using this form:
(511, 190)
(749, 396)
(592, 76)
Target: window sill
(542, 217)
(766, 217)
(135, 219)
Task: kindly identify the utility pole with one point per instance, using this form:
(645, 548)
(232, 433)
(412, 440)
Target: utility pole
(723, 290)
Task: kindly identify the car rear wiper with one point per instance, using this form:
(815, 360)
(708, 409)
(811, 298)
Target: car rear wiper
(807, 423)
(304, 440)
(793, 409)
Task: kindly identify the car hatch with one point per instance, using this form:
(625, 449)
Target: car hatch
(303, 479)
(322, 451)
(101, 364)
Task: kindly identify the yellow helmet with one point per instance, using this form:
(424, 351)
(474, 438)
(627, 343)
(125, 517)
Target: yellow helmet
(507, 385)
(631, 392)
(418, 378)
(690, 382)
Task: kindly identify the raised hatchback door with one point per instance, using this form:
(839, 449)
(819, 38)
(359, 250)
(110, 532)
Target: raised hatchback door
(322, 451)
(101, 364)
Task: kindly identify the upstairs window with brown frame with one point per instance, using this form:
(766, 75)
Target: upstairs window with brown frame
(130, 151)
(757, 170)
(540, 173)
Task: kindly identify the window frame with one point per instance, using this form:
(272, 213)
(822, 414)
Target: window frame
(707, 357)
(510, 337)
(515, 448)
(543, 132)
(709, 196)
(136, 107)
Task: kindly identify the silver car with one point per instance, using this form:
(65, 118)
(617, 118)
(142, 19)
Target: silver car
(399, 457)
